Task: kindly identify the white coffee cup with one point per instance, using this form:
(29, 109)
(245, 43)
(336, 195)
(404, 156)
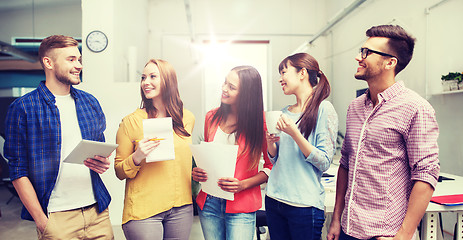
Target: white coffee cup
(271, 118)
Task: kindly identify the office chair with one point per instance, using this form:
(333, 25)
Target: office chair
(5, 174)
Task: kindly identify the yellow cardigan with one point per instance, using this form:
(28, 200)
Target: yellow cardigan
(152, 188)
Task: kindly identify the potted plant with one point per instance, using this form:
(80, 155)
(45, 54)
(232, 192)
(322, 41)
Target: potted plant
(452, 81)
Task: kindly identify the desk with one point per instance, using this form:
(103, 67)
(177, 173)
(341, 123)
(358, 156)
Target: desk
(430, 218)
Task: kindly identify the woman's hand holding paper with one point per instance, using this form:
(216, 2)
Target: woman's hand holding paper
(199, 174)
(232, 185)
(145, 146)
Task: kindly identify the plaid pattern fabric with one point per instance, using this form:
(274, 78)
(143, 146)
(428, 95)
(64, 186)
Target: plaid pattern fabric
(33, 140)
(386, 148)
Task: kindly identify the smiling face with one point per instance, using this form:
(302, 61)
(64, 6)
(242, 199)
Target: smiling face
(151, 81)
(290, 79)
(372, 66)
(230, 88)
(67, 65)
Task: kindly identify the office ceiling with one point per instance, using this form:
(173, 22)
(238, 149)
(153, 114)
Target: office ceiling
(8, 52)
(11, 5)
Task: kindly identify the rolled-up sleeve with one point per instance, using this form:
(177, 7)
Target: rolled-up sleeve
(15, 142)
(422, 146)
(346, 144)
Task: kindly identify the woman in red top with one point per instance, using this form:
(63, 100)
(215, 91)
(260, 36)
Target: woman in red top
(238, 121)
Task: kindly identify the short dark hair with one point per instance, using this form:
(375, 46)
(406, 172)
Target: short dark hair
(400, 43)
(55, 41)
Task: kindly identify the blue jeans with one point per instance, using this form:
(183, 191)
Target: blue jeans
(219, 225)
(289, 222)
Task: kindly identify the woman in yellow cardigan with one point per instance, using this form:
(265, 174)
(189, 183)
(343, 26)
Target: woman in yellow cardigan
(158, 202)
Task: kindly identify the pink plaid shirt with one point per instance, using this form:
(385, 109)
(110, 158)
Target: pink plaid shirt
(386, 148)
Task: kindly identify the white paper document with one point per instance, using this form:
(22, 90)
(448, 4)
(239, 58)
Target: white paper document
(88, 149)
(218, 160)
(160, 128)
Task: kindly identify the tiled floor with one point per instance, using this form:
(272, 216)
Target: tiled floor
(12, 227)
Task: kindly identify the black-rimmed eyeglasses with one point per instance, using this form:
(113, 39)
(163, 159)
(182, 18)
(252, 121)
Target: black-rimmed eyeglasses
(366, 51)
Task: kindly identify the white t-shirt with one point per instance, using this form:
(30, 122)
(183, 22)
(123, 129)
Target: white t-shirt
(224, 138)
(73, 188)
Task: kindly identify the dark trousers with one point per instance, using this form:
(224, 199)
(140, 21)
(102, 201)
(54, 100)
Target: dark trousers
(294, 223)
(344, 236)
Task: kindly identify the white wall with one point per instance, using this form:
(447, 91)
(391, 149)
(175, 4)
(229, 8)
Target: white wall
(106, 74)
(286, 24)
(443, 55)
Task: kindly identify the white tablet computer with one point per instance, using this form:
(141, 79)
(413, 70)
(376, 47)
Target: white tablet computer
(88, 149)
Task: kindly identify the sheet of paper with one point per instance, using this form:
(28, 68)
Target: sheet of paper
(218, 160)
(160, 128)
(88, 149)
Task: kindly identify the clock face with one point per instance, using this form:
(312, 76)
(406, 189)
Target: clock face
(97, 41)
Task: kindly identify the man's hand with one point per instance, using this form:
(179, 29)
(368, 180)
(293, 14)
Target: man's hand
(29, 199)
(41, 223)
(334, 231)
(98, 164)
(401, 235)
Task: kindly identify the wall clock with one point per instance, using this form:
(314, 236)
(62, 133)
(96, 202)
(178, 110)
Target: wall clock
(97, 41)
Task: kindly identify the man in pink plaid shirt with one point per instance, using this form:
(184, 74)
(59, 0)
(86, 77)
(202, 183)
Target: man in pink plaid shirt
(389, 165)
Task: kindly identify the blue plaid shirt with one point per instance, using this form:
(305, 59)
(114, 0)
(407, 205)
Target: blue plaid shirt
(33, 141)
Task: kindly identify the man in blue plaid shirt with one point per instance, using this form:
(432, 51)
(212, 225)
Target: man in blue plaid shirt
(66, 201)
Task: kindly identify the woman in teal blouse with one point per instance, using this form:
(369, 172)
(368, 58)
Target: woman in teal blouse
(301, 152)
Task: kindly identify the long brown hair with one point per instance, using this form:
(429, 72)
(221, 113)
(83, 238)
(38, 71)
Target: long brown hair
(250, 107)
(318, 81)
(169, 94)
